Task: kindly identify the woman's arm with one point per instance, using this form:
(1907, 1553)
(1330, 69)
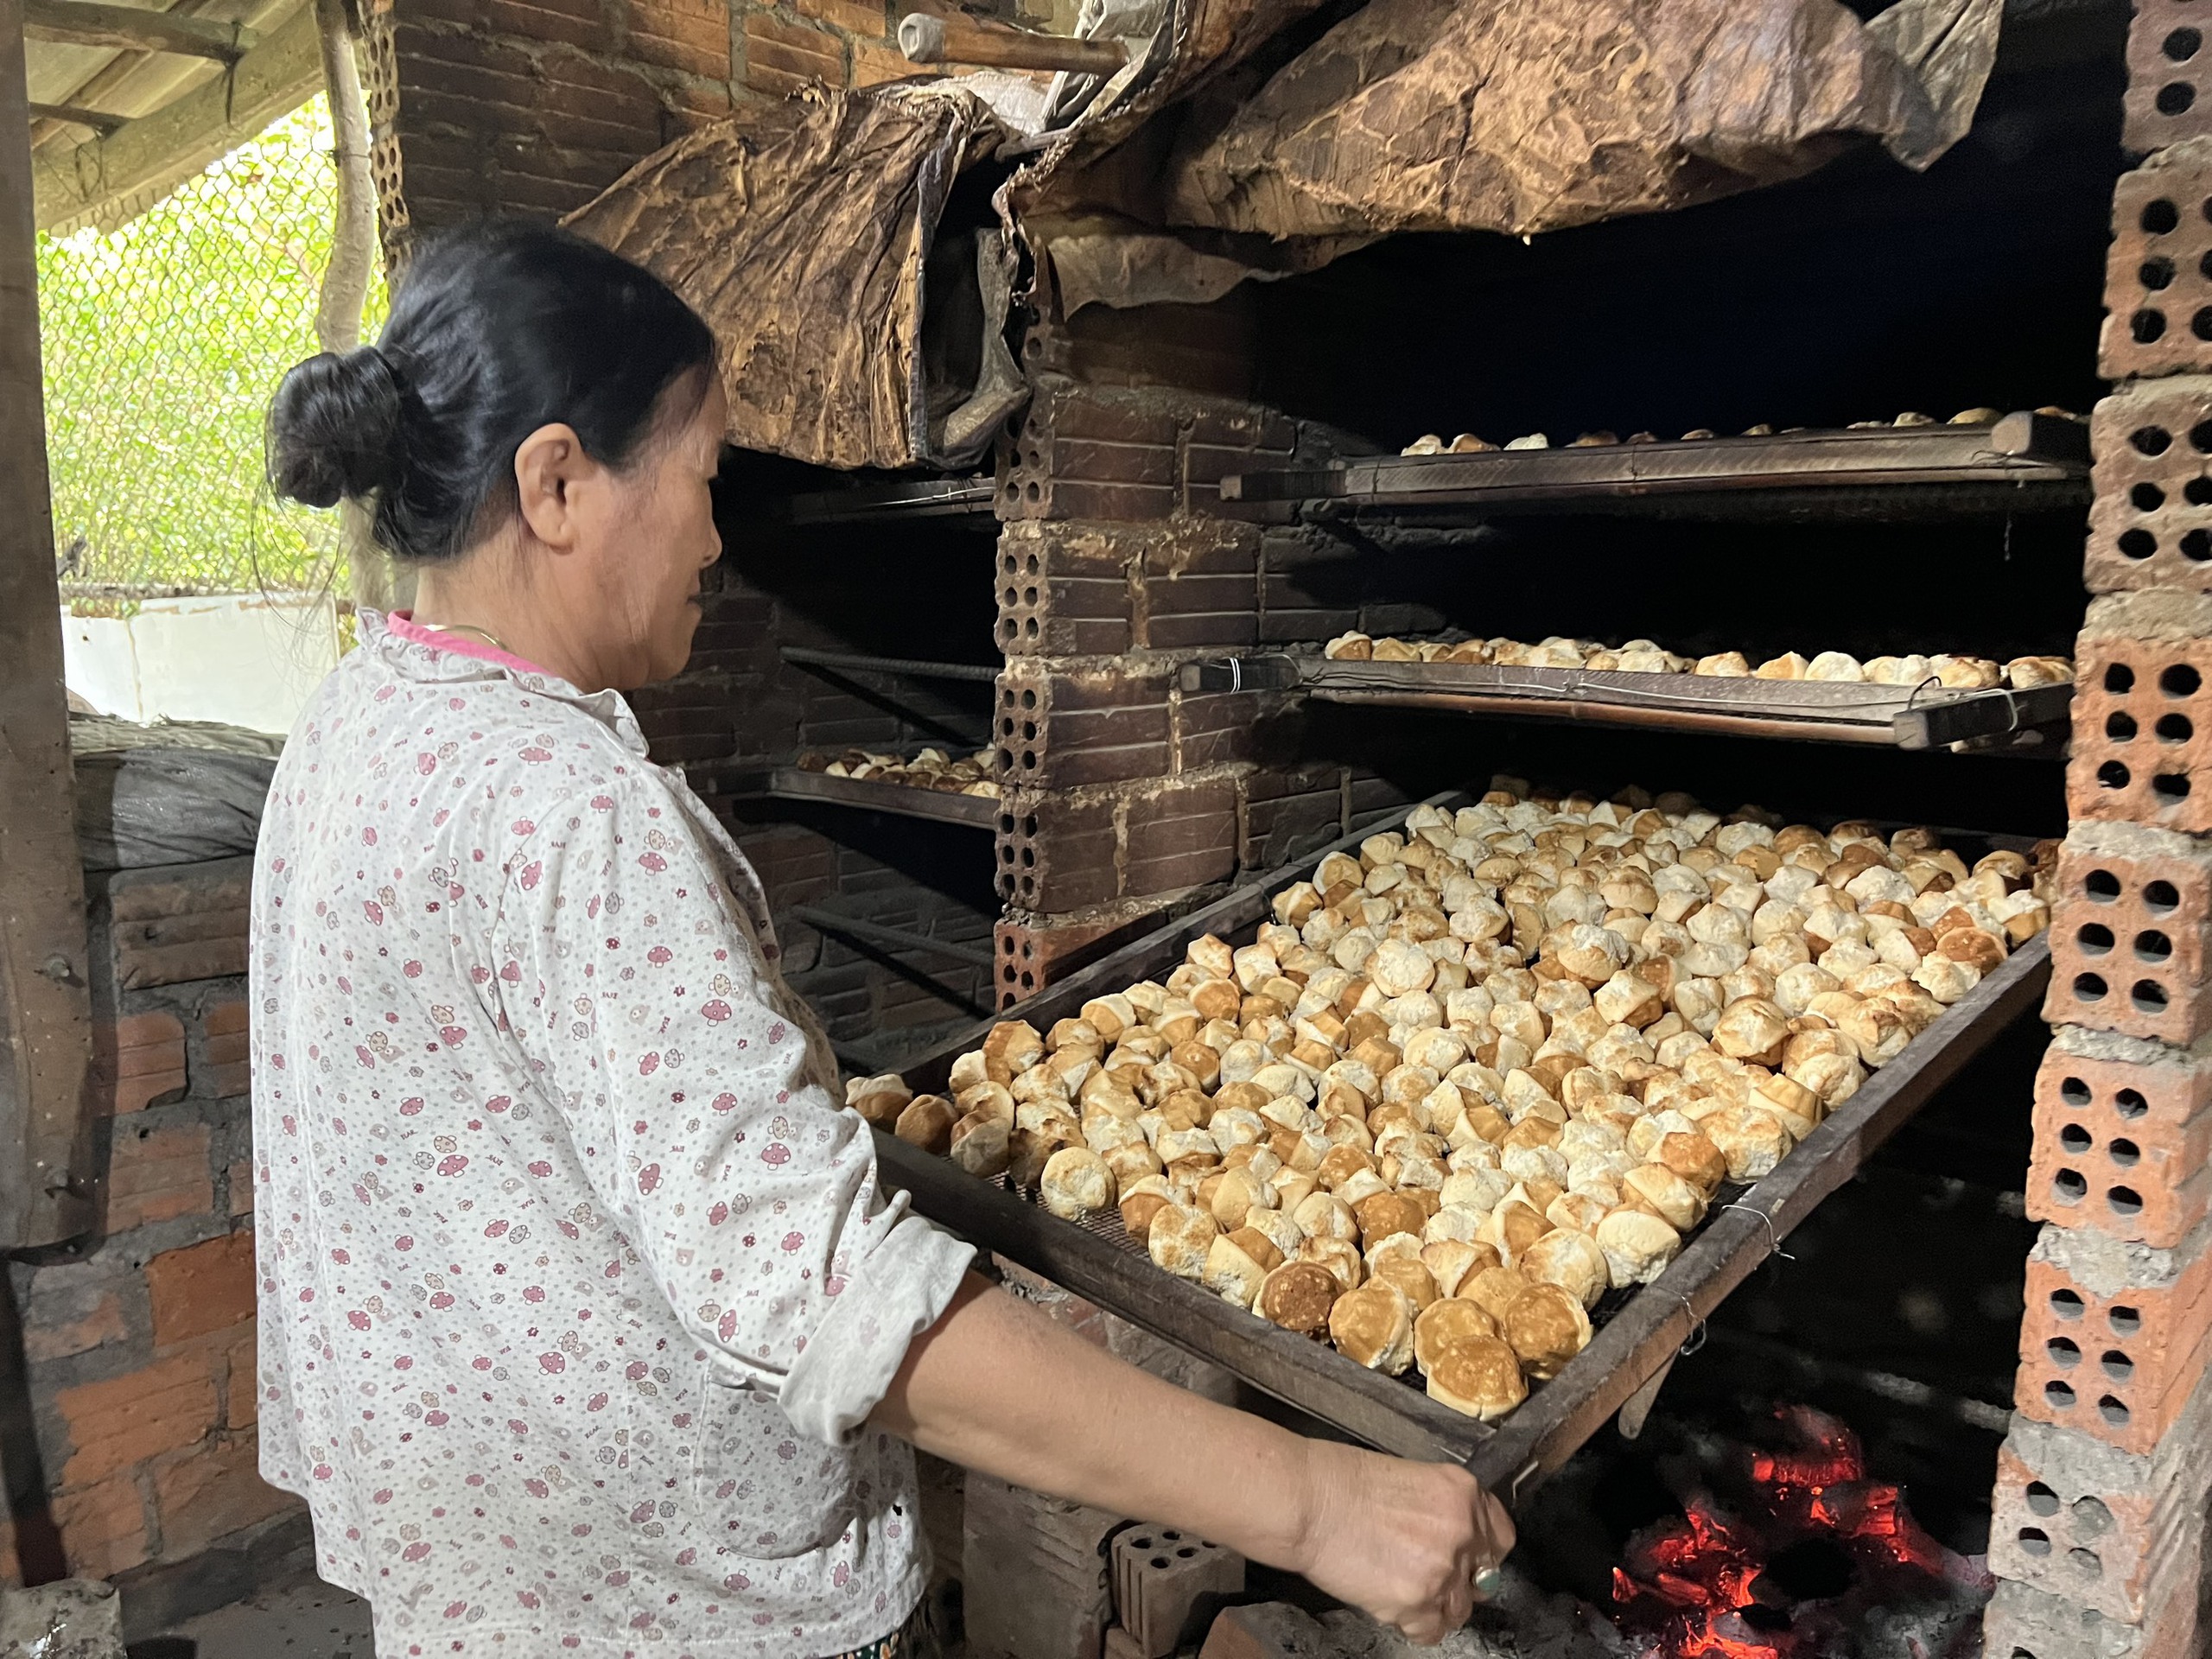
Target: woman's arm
(996, 1387)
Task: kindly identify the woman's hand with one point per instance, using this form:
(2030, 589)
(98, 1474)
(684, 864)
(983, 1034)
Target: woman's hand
(1402, 1541)
(996, 1387)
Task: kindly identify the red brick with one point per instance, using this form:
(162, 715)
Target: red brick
(100, 1322)
(867, 19)
(694, 106)
(168, 928)
(2123, 1138)
(1035, 1573)
(1062, 728)
(1065, 616)
(2169, 94)
(1265, 1629)
(1168, 1585)
(692, 39)
(2132, 935)
(584, 27)
(2021, 1619)
(127, 1419)
(781, 57)
(2156, 319)
(1033, 955)
(230, 1019)
(211, 1492)
(103, 1528)
(242, 1390)
(157, 1175)
(142, 1059)
(2150, 525)
(2103, 1530)
(203, 1288)
(2112, 1346)
(239, 1181)
(2142, 712)
(1057, 852)
(875, 66)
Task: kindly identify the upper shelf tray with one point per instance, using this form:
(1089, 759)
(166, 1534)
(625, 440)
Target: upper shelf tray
(1828, 711)
(928, 498)
(2023, 461)
(797, 784)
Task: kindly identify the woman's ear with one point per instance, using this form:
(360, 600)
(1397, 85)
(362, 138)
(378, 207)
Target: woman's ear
(550, 467)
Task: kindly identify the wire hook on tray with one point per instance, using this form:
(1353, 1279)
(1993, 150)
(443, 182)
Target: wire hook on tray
(1773, 1239)
(1695, 1340)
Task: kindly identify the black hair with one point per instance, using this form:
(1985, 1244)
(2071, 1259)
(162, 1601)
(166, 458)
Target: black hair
(496, 330)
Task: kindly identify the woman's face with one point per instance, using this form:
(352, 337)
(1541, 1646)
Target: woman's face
(653, 536)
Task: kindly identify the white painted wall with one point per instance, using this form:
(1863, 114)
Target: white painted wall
(243, 659)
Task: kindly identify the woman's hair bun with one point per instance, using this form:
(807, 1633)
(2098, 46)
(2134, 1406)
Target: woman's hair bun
(334, 429)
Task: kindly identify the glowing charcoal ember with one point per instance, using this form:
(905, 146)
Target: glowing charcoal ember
(1814, 1550)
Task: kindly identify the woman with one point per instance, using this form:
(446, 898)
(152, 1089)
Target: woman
(585, 1323)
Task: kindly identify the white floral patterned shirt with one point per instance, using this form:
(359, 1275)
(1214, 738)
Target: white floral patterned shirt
(576, 1283)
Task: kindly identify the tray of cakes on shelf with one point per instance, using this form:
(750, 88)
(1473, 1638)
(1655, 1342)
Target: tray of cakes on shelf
(1468, 443)
(1913, 700)
(1476, 1082)
(1933, 675)
(930, 768)
(1985, 458)
(930, 784)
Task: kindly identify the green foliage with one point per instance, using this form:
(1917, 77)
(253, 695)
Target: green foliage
(163, 341)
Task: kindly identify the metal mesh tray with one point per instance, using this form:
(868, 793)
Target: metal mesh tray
(1638, 1332)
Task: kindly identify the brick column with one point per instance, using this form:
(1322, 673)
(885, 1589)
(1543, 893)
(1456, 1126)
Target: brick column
(2099, 1517)
(1124, 794)
(138, 1347)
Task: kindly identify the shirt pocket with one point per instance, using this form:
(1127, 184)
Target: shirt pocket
(773, 1491)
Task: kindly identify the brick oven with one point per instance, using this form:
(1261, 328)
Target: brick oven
(1122, 610)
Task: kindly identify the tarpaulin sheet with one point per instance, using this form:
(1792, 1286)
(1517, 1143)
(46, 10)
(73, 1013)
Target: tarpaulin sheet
(180, 793)
(1495, 115)
(800, 232)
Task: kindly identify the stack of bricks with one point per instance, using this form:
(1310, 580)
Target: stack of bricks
(1117, 566)
(2098, 1527)
(535, 106)
(140, 1349)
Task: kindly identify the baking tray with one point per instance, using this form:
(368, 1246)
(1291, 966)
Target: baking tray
(1639, 1332)
(1827, 711)
(2024, 460)
(797, 784)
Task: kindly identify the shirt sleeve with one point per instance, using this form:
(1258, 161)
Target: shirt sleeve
(749, 1194)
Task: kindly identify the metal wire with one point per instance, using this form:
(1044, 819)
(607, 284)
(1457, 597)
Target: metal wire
(1773, 1239)
(163, 340)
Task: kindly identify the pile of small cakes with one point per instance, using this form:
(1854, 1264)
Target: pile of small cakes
(930, 769)
(1494, 1065)
(1468, 444)
(1644, 657)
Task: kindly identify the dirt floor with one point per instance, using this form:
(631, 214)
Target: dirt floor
(304, 1618)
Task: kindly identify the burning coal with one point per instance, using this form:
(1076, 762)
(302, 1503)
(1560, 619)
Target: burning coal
(1812, 1560)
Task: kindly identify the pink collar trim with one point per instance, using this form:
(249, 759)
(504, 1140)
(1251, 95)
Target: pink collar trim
(403, 624)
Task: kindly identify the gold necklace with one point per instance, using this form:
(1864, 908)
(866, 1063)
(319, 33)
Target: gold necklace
(470, 627)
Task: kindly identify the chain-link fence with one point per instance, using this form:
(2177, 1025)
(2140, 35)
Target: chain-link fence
(163, 340)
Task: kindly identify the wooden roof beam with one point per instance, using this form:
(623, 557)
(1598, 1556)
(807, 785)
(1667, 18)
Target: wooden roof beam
(107, 179)
(91, 120)
(93, 22)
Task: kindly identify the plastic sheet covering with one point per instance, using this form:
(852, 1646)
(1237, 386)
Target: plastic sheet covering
(801, 231)
(72, 1618)
(176, 792)
(1493, 115)
(1460, 115)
